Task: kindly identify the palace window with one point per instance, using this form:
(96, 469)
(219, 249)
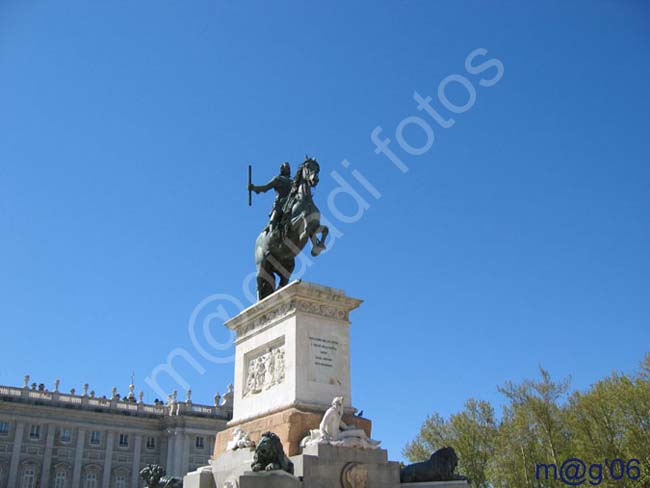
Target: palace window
(200, 442)
(35, 432)
(60, 479)
(4, 428)
(65, 435)
(95, 437)
(90, 481)
(120, 481)
(124, 440)
(29, 478)
(151, 442)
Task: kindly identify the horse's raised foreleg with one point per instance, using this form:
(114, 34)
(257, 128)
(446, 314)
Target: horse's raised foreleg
(318, 245)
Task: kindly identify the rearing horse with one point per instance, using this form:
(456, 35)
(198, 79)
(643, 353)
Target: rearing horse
(275, 251)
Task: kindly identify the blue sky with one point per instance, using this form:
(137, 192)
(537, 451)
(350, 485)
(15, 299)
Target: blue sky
(519, 238)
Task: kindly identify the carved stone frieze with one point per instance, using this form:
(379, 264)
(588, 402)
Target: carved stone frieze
(264, 370)
(299, 296)
(289, 307)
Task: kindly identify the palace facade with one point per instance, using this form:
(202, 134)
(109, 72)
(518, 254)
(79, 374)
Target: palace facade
(69, 440)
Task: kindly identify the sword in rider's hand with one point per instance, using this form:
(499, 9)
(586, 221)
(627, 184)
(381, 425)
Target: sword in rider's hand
(250, 185)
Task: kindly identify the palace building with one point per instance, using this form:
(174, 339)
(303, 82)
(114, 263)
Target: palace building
(69, 440)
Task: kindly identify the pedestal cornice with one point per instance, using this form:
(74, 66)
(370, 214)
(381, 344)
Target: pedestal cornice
(297, 296)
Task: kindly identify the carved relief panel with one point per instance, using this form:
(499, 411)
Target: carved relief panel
(264, 368)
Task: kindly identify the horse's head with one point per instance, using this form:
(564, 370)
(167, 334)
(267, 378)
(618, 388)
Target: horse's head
(309, 171)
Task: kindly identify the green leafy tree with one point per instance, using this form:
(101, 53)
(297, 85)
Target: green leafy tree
(542, 424)
(541, 402)
(433, 435)
(612, 421)
(517, 450)
(531, 433)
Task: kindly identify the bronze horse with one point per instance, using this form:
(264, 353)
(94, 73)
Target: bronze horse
(275, 251)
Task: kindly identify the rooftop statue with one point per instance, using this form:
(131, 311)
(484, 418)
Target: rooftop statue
(294, 220)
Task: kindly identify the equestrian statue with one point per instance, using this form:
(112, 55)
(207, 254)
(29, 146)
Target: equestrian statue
(293, 221)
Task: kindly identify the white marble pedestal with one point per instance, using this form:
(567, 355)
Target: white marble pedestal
(292, 357)
(292, 348)
(201, 478)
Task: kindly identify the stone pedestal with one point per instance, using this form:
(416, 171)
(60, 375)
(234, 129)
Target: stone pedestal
(327, 466)
(292, 357)
(273, 479)
(228, 467)
(201, 478)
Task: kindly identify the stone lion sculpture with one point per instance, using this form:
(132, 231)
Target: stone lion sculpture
(270, 456)
(154, 476)
(439, 467)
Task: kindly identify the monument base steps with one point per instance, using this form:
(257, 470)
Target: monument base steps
(292, 361)
(272, 479)
(325, 466)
